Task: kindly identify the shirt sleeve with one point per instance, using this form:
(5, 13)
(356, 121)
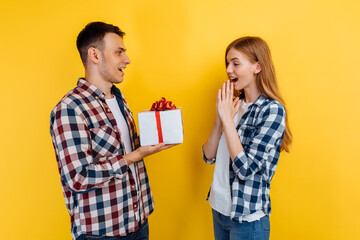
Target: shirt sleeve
(264, 144)
(208, 161)
(72, 143)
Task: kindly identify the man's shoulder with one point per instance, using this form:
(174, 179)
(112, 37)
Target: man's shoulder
(73, 99)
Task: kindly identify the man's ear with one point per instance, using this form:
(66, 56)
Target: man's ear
(94, 54)
(257, 68)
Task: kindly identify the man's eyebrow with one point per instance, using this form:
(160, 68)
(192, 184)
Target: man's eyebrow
(122, 49)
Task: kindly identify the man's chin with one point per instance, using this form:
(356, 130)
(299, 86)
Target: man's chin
(117, 81)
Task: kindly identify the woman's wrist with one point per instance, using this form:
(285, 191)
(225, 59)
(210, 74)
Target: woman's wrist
(217, 122)
(226, 120)
(228, 123)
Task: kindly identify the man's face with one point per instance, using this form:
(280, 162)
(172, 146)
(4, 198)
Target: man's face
(114, 58)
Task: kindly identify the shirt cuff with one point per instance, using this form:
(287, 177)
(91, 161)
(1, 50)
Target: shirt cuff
(119, 166)
(239, 161)
(209, 161)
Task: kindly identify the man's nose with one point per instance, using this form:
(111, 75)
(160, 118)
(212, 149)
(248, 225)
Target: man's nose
(126, 59)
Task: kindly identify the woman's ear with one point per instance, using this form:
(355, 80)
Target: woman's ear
(94, 55)
(257, 68)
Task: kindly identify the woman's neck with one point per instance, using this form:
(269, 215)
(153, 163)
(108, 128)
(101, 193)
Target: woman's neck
(251, 96)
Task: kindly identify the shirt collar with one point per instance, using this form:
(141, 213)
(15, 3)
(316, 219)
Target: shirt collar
(116, 91)
(91, 89)
(94, 91)
(258, 102)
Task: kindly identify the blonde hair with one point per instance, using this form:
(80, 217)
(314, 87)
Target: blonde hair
(257, 50)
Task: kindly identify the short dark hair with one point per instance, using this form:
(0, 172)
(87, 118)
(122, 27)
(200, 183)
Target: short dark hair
(92, 36)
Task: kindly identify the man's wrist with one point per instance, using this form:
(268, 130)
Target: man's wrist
(133, 157)
(139, 154)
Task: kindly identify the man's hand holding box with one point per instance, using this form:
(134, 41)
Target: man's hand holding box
(163, 123)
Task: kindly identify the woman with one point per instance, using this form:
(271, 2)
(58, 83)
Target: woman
(248, 135)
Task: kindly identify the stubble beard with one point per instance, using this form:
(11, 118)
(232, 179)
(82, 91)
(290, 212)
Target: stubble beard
(105, 73)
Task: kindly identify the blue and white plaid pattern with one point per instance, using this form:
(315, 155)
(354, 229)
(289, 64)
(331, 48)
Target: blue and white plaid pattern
(98, 186)
(261, 130)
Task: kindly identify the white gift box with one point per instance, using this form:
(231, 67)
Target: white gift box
(156, 124)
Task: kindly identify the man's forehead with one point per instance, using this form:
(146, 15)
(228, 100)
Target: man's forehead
(114, 41)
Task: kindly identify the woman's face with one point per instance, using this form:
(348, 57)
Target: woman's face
(241, 71)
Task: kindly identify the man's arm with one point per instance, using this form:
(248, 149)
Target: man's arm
(72, 143)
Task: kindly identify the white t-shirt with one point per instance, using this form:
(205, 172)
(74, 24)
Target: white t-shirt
(220, 195)
(125, 134)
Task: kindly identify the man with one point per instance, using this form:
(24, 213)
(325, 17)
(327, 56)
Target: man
(103, 176)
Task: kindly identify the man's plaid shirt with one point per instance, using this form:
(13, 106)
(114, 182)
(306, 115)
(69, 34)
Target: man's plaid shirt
(98, 186)
(261, 130)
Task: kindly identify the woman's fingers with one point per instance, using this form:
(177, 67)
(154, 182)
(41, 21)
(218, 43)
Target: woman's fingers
(218, 99)
(226, 92)
(236, 105)
(236, 101)
(223, 93)
(227, 89)
(231, 90)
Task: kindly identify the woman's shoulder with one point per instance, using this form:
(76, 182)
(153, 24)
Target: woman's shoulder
(272, 107)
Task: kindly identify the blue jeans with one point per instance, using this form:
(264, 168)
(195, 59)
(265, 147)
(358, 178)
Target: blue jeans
(141, 234)
(226, 229)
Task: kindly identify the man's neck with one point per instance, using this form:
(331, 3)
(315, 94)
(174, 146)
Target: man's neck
(101, 84)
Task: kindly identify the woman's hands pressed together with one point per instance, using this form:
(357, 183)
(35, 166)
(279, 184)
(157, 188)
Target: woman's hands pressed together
(226, 107)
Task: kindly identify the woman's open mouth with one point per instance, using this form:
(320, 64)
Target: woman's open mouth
(233, 80)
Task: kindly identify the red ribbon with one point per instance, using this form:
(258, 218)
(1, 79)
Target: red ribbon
(158, 126)
(157, 106)
(162, 105)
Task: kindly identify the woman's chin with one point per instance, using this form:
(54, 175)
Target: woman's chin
(237, 88)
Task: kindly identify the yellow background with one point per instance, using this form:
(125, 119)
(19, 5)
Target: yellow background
(177, 51)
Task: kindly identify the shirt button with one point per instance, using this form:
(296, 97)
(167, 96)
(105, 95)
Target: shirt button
(104, 128)
(108, 110)
(133, 187)
(135, 205)
(115, 130)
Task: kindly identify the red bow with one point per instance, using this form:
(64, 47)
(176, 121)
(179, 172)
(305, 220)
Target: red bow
(162, 105)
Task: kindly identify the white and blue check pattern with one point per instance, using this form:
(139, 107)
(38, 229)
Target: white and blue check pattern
(261, 130)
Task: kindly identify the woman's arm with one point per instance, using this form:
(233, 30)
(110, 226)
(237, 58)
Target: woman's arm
(210, 146)
(227, 108)
(264, 144)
